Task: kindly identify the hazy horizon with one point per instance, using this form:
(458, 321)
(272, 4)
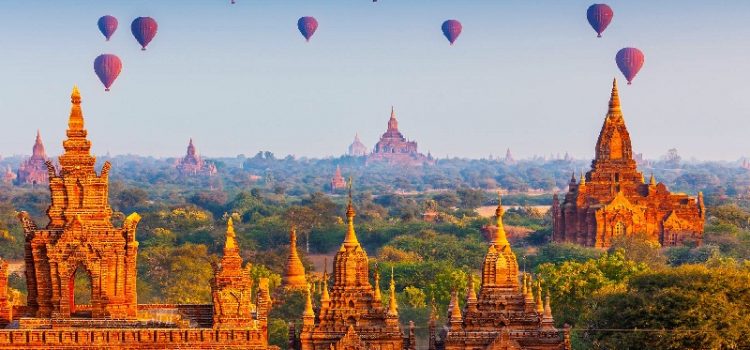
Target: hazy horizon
(531, 77)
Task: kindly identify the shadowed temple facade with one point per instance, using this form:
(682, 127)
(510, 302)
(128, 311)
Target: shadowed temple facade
(80, 237)
(613, 198)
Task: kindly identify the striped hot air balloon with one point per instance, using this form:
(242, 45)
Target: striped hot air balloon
(107, 68)
(599, 16)
(452, 29)
(307, 26)
(629, 60)
(144, 30)
(107, 25)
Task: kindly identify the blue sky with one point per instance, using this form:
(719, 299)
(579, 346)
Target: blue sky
(529, 75)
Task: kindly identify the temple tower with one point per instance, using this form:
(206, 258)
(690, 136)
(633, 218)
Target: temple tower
(231, 287)
(80, 235)
(33, 170)
(294, 271)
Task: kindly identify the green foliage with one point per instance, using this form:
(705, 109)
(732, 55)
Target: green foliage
(169, 274)
(639, 248)
(414, 297)
(688, 307)
(556, 253)
(572, 283)
(278, 332)
(432, 246)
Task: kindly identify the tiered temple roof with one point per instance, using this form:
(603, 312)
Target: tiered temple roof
(505, 314)
(294, 271)
(33, 170)
(193, 164)
(394, 148)
(357, 148)
(613, 198)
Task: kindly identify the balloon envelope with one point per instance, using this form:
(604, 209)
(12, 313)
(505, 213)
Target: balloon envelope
(452, 29)
(144, 30)
(599, 16)
(629, 60)
(107, 68)
(107, 25)
(307, 26)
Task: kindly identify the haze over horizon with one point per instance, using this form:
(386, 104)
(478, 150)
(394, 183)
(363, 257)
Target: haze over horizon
(529, 76)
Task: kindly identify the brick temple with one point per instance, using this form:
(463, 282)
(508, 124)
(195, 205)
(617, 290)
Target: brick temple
(193, 164)
(394, 148)
(357, 148)
(614, 199)
(352, 315)
(33, 170)
(505, 314)
(294, 272)
(337, 181)
(80, 236)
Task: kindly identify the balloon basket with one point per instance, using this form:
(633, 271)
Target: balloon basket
(107, 89)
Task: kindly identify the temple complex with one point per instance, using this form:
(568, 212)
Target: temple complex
(352, 315)
(294, 271)
(80, 236)
(357, 148)
(33, 170)
(193, 165)
(614, 199)
(337, 182)
(505, 314)
(394, 148)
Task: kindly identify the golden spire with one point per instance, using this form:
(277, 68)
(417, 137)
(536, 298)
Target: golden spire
(324, 297)
(652, 181)
(643, 179)
(294, 271)
(539, 304)
(75, 121)
(500, 238)
(529, 289)
(523, 290)
(308, 313)
(614, 100)
(231, 237)
(392, 306)
(351, 236)
(583, 180)
(378, 297)
(471, 294)
(455, 308)
(547, 307)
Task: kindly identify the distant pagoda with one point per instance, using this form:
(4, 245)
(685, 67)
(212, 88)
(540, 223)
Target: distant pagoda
(509, 157)
(193, 165)
(394, 148)
(613, 199)
(33, 170)
(337, 182)
(357, 148)
(505, 315)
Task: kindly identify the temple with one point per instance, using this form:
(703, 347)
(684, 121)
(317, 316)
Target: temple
(33, 170)
(509, 157)
(614, 199)
(352, 315)
(294, 271)
(80, 237)
(193, 165)
(357, 148)
(394, 148)
(505, 314)
(337, 182)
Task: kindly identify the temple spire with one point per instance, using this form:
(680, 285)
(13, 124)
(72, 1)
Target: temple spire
(308, 316)
(294, 272)
(325, 297)
(652, 180)
(392, 306)
(500, 237)
(471, 294)
(614, 100)
(351, 236)
(539, 304)
(392, 122)
(75, 121)
(378, 296)
(230, 243)
(583, 180)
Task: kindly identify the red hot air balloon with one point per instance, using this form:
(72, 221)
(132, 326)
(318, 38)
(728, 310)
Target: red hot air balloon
(107, 25)
(599, 16)
(452, 29)
(629, 60)
(307, 26)
(107, 68)
(144, 30)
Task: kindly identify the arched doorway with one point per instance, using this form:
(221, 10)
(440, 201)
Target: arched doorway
(79, 289)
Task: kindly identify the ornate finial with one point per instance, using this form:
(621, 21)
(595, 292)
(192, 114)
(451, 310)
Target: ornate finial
(471, 294)
(530, 288)
(614, 100)
(652, 181)
(231, 239)
(75, 96)
(500, 236)
(523, 290)
(308, 313)
(583, 179)
(539, 304)
(351, 235)
(547, 307)
(643, 179)
(455, 308)
(378, 296)
(573, 178)
(392, 306)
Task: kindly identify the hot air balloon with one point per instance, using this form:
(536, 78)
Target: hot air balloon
(452, 29)
(107, 25)
(599, 16)
(629, 60)
(107, 68)
(307, 26)
(144, 29)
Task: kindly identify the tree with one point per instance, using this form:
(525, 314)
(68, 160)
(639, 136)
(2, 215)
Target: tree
(470, 198)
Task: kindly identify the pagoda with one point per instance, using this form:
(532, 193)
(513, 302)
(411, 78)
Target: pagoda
(80, 237)
(352, 315)
(393, 148)
(193, 165)
(357, 148)
(505, 314)
(337, 182)
(33, 170)
(509, 157)
(294, 271)
(613, 198)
